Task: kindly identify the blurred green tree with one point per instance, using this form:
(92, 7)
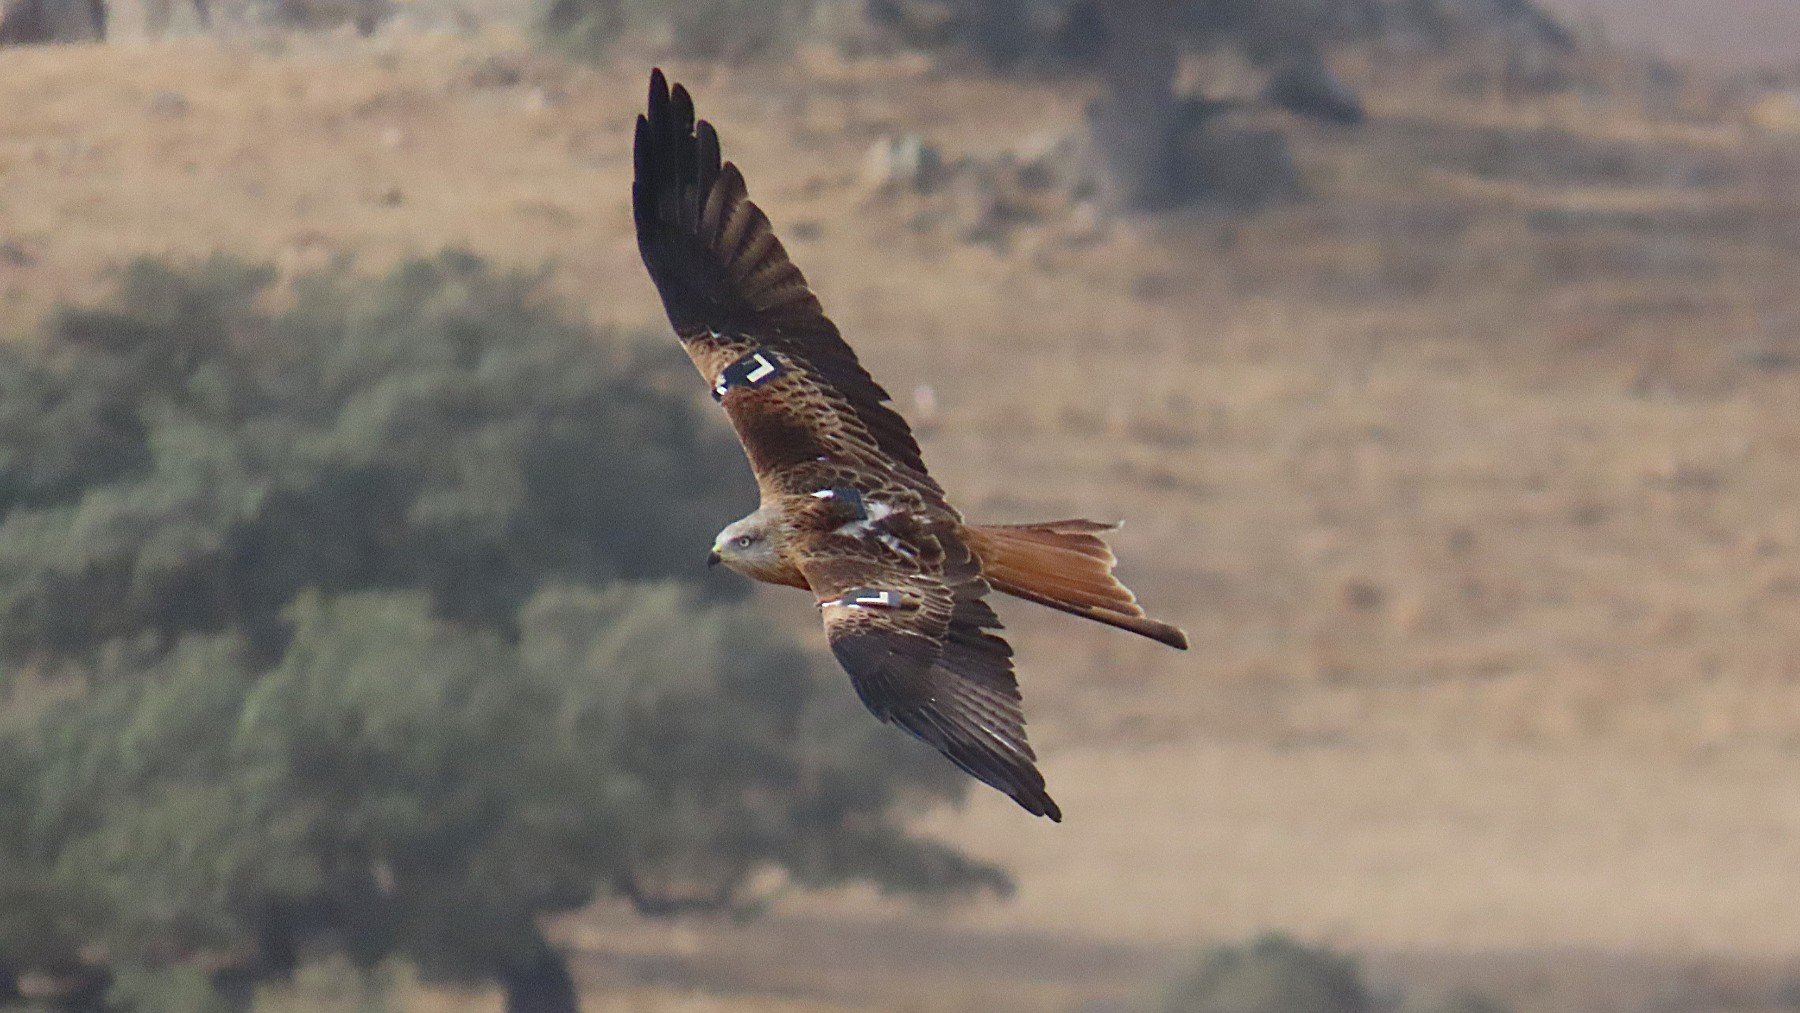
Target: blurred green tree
(186, 461)
(366, 619)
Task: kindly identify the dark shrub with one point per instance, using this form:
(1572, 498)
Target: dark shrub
(1274, 974)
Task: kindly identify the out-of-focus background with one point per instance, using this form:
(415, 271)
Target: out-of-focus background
(356, 650)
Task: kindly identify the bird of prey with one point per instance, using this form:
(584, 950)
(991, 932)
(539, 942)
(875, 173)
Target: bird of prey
(848, 510)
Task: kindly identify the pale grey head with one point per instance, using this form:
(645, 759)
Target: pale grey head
(747, 545)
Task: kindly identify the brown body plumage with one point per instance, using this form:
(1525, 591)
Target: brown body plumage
(848, 510)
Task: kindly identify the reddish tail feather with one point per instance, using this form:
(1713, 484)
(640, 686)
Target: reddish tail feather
(1066, 566)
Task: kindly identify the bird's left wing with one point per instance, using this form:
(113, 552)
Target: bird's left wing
(916, 641)
(793, 389)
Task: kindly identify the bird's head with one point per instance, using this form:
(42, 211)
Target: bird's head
(745, 546)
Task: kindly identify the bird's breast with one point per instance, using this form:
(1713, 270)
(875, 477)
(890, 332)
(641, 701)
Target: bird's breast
(774, 571)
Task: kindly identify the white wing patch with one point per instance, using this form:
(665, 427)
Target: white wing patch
(867, 519)
(870, 526)
(873, 510)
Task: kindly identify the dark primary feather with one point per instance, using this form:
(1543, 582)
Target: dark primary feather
(935, 670)
(721, 271)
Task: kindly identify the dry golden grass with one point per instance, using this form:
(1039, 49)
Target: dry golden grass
(1473, 477)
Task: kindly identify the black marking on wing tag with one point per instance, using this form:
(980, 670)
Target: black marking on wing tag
(868, 598)
(753, 370)
(849, 497)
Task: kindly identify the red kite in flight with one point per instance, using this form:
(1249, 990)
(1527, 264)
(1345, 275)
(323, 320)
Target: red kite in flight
(848, 510)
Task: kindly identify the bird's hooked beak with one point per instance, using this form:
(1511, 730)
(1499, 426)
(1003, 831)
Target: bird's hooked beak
(712, 558)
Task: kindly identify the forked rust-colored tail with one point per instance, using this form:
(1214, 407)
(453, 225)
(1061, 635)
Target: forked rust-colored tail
(1067, 566)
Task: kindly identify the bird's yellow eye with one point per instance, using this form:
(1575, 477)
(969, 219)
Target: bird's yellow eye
(743, 541)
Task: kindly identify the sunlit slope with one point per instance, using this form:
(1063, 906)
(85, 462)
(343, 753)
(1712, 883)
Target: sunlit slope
(1742, 33)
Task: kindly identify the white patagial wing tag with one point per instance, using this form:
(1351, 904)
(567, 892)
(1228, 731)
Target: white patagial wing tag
(866, 598)
(753, 370)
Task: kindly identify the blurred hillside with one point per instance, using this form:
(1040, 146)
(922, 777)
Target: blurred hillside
(1470, 471)
(1733, 33)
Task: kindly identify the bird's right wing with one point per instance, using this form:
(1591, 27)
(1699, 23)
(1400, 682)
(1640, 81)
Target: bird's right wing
(793, 389)
(917, 644)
